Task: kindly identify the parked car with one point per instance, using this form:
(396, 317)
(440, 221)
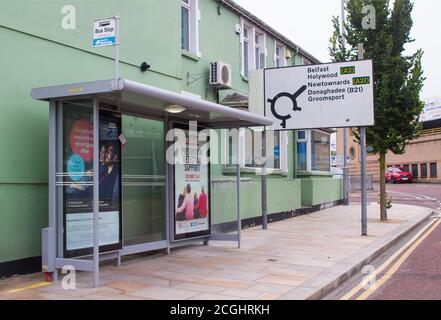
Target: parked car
(398, 175)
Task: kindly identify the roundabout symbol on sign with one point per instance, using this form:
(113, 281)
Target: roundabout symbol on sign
(293, 97)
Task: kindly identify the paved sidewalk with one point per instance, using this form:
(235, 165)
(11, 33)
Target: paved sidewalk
(299, 258)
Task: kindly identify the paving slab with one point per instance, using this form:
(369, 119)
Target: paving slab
(298, 258)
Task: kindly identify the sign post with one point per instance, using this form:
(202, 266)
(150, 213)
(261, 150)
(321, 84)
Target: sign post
(345, 131)
(106, 33)
(264, 184)
(335, 95)
(364, 231)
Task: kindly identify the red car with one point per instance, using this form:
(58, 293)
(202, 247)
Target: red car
(398, 175)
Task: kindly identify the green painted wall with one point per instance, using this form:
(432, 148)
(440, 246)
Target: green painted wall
(225, 210)
(320, 190)
(23, 209)
(38, 52)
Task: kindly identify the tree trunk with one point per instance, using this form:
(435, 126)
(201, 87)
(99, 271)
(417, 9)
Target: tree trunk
(383, 200)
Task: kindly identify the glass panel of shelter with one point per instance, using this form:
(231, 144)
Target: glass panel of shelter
(134, 187)
(143, 181)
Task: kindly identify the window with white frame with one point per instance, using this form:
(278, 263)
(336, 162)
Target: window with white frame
(189, 26)
(250, 148)
(246, 50)
(320, 151)
(253, 48)
(313, 151)
(259, 50)
(280, 55)
(302, 150)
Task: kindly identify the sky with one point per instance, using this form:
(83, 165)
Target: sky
(308, 24)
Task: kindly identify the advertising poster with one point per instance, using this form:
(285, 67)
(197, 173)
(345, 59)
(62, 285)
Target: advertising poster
(78, 181)
(192, 192)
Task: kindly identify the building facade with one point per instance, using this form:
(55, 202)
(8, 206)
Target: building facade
(422, 156)
(47, 43)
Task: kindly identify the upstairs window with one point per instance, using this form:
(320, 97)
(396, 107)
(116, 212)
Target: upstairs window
(189, 26)
(253, 49)
(185, 24)
(259, 47)
(280, 56)
(246, 50)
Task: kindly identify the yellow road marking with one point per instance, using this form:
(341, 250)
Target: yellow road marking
(398, 264)
(32, 286)
(359, 287)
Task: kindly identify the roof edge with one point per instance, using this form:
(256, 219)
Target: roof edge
(247, 14)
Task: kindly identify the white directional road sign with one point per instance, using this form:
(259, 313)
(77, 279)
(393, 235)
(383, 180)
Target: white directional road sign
(334, 95)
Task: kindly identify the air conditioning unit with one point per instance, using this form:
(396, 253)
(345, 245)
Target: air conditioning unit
(220, 75)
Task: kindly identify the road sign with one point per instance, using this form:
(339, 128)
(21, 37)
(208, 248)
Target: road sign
(334, 95)
(431, 112)
(104, 33)
(338, 160)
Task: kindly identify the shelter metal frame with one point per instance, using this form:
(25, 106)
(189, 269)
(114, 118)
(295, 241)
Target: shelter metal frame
(132, 98)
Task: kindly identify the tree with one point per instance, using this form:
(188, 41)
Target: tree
(398, 77)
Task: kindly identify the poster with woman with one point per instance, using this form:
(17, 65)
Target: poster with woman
(192, 192)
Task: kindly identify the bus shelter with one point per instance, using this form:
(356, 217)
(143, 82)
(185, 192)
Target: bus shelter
(111, 191)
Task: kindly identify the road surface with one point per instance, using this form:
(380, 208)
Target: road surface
(425, 195)
(410, 270)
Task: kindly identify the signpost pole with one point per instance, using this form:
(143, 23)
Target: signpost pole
(239, 222)
(168, 191)
(345, 130)
(364, 231)
(264, 185)
(117, 26)
(96, 195)
(363, 181)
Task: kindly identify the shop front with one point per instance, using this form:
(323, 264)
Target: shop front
(113, 190)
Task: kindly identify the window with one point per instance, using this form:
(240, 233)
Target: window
(251, 157)
(320, 151)
(433, 170)
(185, 24)
(302, 151)
(280, 56)
(254, 149)
(246, 51)
(253, 49)
(276, 150)
(415, 171)
(259, 47)
(424, 170)
(406, 168)
(230, 157)
(189, 26)
(251, 149)
(313, 151)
